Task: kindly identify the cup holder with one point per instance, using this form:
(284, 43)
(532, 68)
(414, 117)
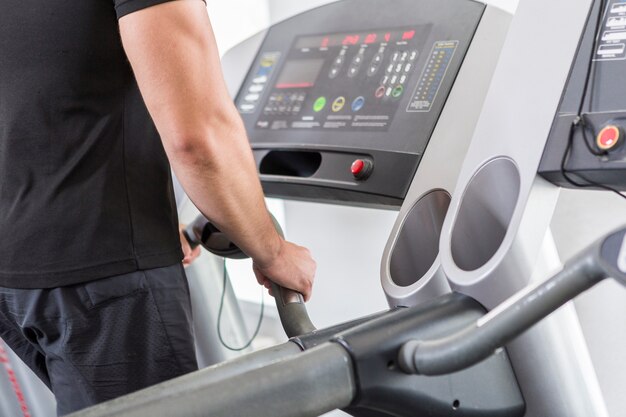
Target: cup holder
(417, 245)
(485, 213)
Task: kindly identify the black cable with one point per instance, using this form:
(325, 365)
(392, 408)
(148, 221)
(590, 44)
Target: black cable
(580, 121)
(219, 317)
(566, 173)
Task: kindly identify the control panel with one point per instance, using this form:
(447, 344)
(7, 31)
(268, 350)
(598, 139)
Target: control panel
(586, 144)
(340, 102)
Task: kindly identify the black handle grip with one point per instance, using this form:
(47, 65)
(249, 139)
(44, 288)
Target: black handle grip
(290, 304)
(292, 311)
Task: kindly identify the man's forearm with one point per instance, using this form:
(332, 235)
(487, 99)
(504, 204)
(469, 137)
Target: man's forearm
(218, 172)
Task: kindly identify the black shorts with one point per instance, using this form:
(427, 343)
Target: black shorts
(97, 341)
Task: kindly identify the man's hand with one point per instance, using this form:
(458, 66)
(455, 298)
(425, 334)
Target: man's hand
(293, 268)
(190, 254)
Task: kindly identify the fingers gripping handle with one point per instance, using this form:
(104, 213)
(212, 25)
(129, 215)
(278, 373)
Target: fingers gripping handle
(291, 308)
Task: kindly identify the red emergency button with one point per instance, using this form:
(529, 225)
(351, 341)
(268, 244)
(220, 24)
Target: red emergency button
(361, 169)
(608, 138)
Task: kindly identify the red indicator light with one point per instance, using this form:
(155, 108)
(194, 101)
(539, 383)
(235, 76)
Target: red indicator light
(387, 37)
(351, 40)
(325, 42)
(371, 38)
(408, 35)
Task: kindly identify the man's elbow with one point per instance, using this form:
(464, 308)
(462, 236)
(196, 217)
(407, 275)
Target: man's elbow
(205, 141)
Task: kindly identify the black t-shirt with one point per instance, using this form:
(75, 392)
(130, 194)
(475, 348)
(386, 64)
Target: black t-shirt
(85, 185)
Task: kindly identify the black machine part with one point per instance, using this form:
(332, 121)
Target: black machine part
(344, 53)
(290, 304)
(471, 344)
(594, 100)
(488, 389)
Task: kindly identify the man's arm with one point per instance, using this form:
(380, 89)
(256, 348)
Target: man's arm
(172, 50)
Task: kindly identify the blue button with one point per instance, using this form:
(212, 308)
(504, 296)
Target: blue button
(358, 104)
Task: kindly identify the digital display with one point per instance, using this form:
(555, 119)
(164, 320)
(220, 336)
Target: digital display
(347, 39)
(300, 74)
(342, 81)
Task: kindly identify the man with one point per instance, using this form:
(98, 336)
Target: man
(97, 99)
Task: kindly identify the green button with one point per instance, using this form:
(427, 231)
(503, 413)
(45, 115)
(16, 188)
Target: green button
(319, 105)
(397, 91)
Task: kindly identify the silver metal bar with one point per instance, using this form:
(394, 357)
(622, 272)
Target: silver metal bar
(303, 385)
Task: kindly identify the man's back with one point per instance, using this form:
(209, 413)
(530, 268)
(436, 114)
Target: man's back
(85, 187)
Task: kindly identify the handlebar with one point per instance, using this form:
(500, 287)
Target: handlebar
(292, 311)
(603, 259)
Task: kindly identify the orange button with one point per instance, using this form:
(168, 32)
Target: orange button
(608, 137)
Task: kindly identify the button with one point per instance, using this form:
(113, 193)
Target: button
(333, 73)
(353, 71)
(252, 97)
(380, 91)
(385, 80)
(399, 68)
(394, 79)
(397, 91)
(247, 107)
(358, 104)
(413, 56)
(319, 104)
(403, 79)
(404, 56)
(388, 92)
(372, 70)
(408, 67)
(390, 69)
(361, 169)
(608, 138)
(338, 104)
(256, 88)
(357, 167)
(260, 80)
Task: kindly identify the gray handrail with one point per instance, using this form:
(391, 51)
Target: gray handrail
(605, 258)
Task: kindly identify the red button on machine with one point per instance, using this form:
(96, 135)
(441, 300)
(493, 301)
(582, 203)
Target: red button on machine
(608, 138)
(357, 167)
(361, 169)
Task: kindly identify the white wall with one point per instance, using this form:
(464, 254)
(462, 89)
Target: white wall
(236, 20)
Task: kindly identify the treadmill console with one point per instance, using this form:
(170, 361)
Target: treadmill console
(341, 101)
(593, 153)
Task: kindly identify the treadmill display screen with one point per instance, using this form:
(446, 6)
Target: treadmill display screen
(345, 81)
